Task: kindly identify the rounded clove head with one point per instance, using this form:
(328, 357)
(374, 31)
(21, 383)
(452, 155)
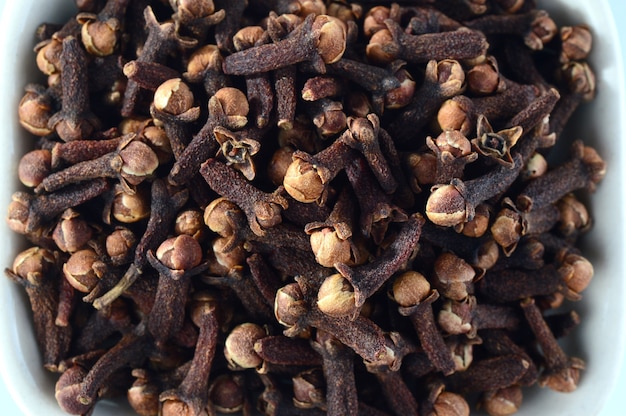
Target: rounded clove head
(410, 289)
(303, 182)
(448, 74)
(139, 162)
(573, 215)
(502, 402)
(34, 111)
(576, 271)
(206, 58)
(454, 277)
(330, 249)
(143, 395)
(507, 229)
(477, 226)
(336, 296)
(67, 390)
(446, 206)
(576, 43)
(173, 97)
(309, 389)
(484, 78)
(34, 166)
(227, 394)
(234, 106)
(454, 114)
(375, 20)
(130, 207)
(536, 166)
(71, 232)
(35, 265)
(332, 40)
(191, 223)
(450, 404)
(119, 244)
(81, 270)
(289, 305)
(239, 346)
(223, 217)
(247, 37)
(180, 253)
(378, 50)
(100, 37)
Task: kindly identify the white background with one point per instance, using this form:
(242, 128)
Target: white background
(616, 405)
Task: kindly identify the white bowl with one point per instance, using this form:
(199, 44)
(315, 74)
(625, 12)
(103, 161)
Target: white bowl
(600, 339)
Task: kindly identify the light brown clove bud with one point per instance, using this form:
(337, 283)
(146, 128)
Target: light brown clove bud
(34, 166)
(336, 296)
(454, 277)
(239, 346)
(180, 253)
(410, 289)
(503, 402)
(72, 232)
(577, 272)
(83, 270)
(576, 43)
(330, 249)
(303, 182)
(173, 97)
(234, 106)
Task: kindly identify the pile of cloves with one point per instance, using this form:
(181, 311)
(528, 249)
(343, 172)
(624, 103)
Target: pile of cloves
(305, 206)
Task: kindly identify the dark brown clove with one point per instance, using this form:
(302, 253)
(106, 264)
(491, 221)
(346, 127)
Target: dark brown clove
(361, 335)
(161, 40)
(377, 211)
(561, 372)
(454, 204)
(34, 270)
(307, 177)
(442, 80)
(173, 106)
(101, 32)
(164, 206)
(75, 121)
(227, 107)
(35, 109)
(362, 135)
(149, 75)
(262, 209)
(27, 213)
(368, 278)
(124, 353)
(412, 292)
(192, 395)
(338, 366)
(489, 374)
(320, 39)
(536, 27)
(132, 162)
(397, 394)
(468, 317)
(177, 259)
(459, 44)
(196, 18)
(584, 170)
(514, 284)
(332, 240)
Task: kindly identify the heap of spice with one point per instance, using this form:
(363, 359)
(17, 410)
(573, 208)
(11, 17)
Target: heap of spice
(305, 206)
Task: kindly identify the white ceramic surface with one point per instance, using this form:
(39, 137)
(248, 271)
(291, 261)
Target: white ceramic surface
(600, 340)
